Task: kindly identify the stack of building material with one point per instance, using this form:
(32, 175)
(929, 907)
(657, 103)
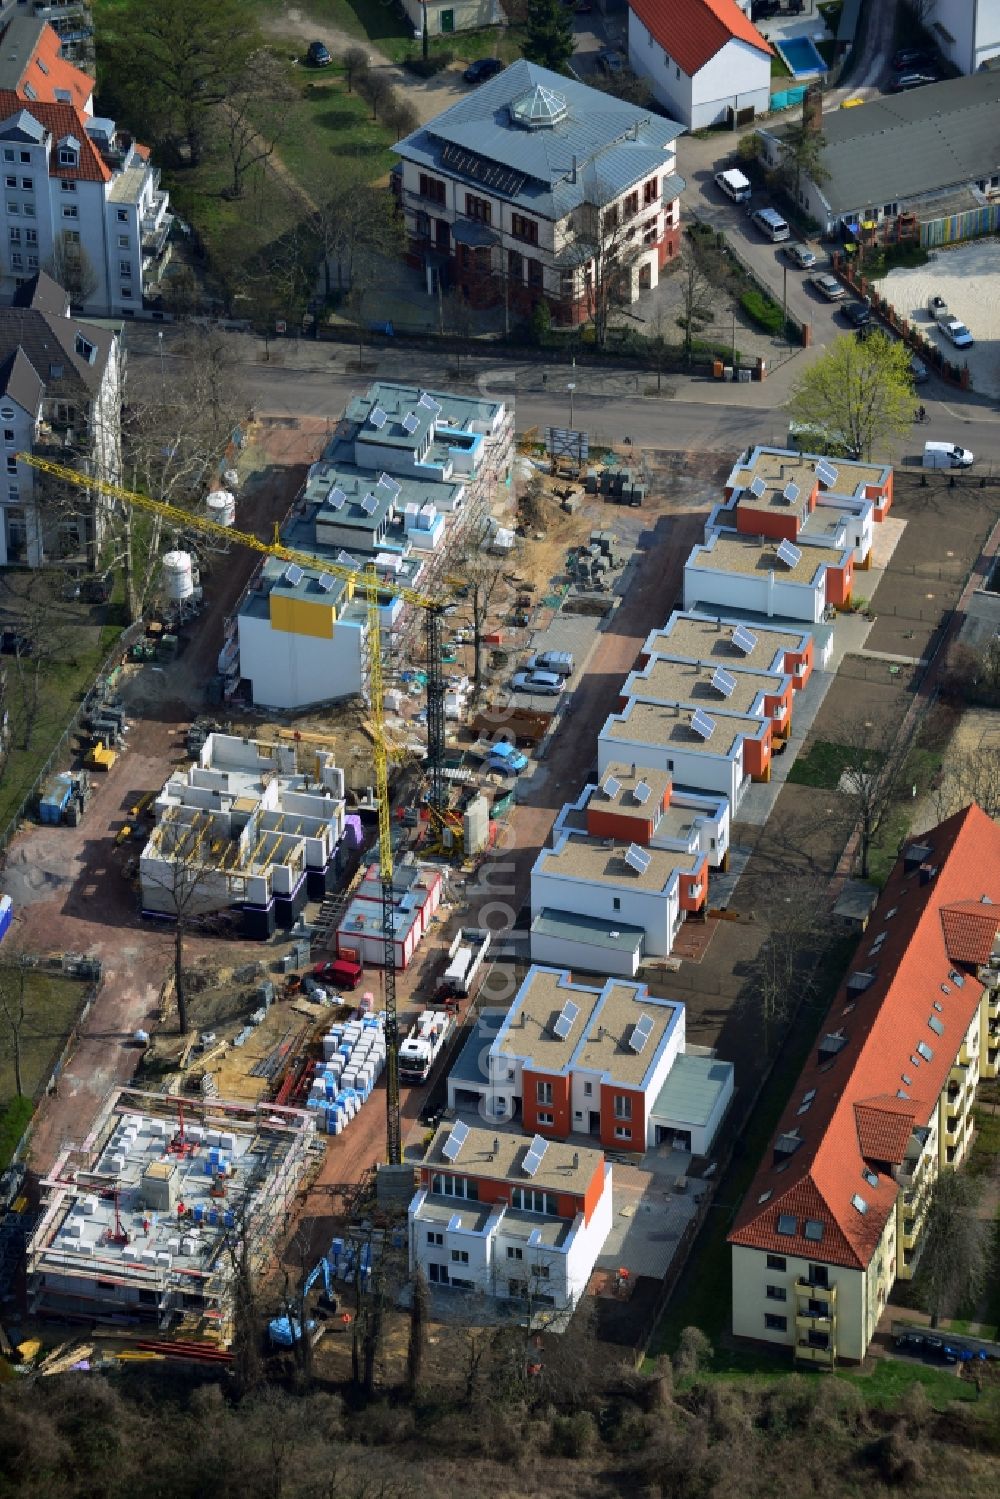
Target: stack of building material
(353, 1059)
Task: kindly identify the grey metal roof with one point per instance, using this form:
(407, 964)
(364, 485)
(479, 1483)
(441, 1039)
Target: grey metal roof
(19, 380)
(600, 142)
(691, 1090)
(591, 930)
(17, 47)
(22, 127)
(904, 146)
(472, 1065)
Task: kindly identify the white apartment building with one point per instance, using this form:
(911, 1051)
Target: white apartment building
(80, 196)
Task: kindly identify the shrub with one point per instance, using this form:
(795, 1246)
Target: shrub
(573, 1436)
(540, 321)
(426, 67)
(761, 310)
(356, 65)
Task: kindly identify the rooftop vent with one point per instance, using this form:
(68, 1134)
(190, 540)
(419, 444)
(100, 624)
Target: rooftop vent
(914, 856)
(786, 1145)
(860, 981)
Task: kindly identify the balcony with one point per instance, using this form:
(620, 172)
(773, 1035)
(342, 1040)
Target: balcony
(812, 1290)
(810, 1353)
(816, 1320)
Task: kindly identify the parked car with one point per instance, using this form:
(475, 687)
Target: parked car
(610, 61)
(828, 286)
(771, 224)
(957, 333)
(560, 663)
(483, 68)
(937, 307)
(318, 55)
(857, 313)
(800, 255)
(545, 683)
(506, 759)
(734, 184)
(918, 370)
(910, 1342)
(914, 79)
(912, 57)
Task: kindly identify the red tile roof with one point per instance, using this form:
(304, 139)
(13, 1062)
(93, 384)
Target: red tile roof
(970, 929)
(856, 1119)
(47, 71)
(691, 32)
(61, 120)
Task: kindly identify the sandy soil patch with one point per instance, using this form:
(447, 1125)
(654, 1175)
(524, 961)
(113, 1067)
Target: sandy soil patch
(968, 277)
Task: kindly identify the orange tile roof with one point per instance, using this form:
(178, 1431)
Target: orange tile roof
(693, 31)
(61, 120)
(970, 929)
(868, 1080)
(46, 71)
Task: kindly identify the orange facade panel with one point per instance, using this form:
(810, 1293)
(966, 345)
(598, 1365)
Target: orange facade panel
(546, 1104)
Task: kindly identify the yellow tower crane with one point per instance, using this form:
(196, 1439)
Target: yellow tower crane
(375, 588)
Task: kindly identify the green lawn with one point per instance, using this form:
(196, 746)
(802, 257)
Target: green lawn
(13, 1123)
(821, 764)
(779, 68)
(53, 1003)
(892, 1377)
(326, 125)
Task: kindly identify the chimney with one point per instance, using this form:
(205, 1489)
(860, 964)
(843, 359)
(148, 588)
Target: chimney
(573, 178)
(576, 1160)
(812, 108)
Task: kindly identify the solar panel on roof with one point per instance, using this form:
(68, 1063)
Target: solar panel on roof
(562, 1026)
(377, 417)
(293, 574)
(571, 1010)
(641, 792)
(723, 681)
(790, 493)
(346, 560)
(388, 486)
(369, 504)
(826, 473)
(535, 1156)
(637, 858)
(789, 554)
(337, 497)
(641, 1032)
(429, 403)
(611, 787)
(744, 640)
(757, 487)
(455, 1141)
(410, 422)
(703, 725)
(505, 179)
(325, 582)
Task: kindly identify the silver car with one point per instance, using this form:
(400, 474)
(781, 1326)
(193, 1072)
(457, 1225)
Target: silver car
(543, 683)
(827, 286)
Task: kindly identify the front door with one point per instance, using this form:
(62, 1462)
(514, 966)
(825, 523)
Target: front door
(447, 20)
(442, 234)
(595, 1122)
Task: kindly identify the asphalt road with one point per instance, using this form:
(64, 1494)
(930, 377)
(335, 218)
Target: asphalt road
(697, 415)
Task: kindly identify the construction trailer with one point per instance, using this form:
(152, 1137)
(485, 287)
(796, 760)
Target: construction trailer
(144, 1225)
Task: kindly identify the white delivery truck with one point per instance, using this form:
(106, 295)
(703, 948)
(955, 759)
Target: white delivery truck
(423, 1045)
(946, 455)
(465, 958)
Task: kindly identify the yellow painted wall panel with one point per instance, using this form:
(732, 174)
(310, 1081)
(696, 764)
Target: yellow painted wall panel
(301, 616)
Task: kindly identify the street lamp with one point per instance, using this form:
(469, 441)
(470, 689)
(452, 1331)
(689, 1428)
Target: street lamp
(571, 387)
(159, 335)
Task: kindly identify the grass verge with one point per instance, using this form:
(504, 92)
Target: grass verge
(822, 764)
(13, 1123)
(53, 1004)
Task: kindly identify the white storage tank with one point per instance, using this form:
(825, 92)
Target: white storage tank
(177, 575)
(221, 507)
(231, 479)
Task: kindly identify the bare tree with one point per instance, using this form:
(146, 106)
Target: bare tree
(602, 251)
(248, 1369)
(953, 1249)
(456, 316)
(420, 1310)
(480, 574)
(696, 295)
(14, 970)
(377, 89)
(42, 641)
(782, 973)
(356, 66)
(970, 777)
(876, 757)
(253, 116)
(72, 267)
(355, 229)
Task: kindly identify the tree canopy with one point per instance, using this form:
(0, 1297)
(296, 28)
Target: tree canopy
(165, 67)
(548, 34)
(859, 393)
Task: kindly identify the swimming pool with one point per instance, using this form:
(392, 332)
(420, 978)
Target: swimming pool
(801, 56)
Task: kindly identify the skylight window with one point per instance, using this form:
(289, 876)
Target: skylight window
(925, 1051)
(939, 1007)
(915, 1060)
(907, 1079)
(766, 1196)
(813, 1230)
(787, 1224)
(945, 988)
(859, 1204)
(901, 1094)
(871, 1177)
(936, 1025)
(957, 978)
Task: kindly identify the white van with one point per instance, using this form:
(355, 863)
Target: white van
(734, 185)
(769, 222)
(946, 455)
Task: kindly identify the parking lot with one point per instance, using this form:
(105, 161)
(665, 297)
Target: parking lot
(968, 277)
